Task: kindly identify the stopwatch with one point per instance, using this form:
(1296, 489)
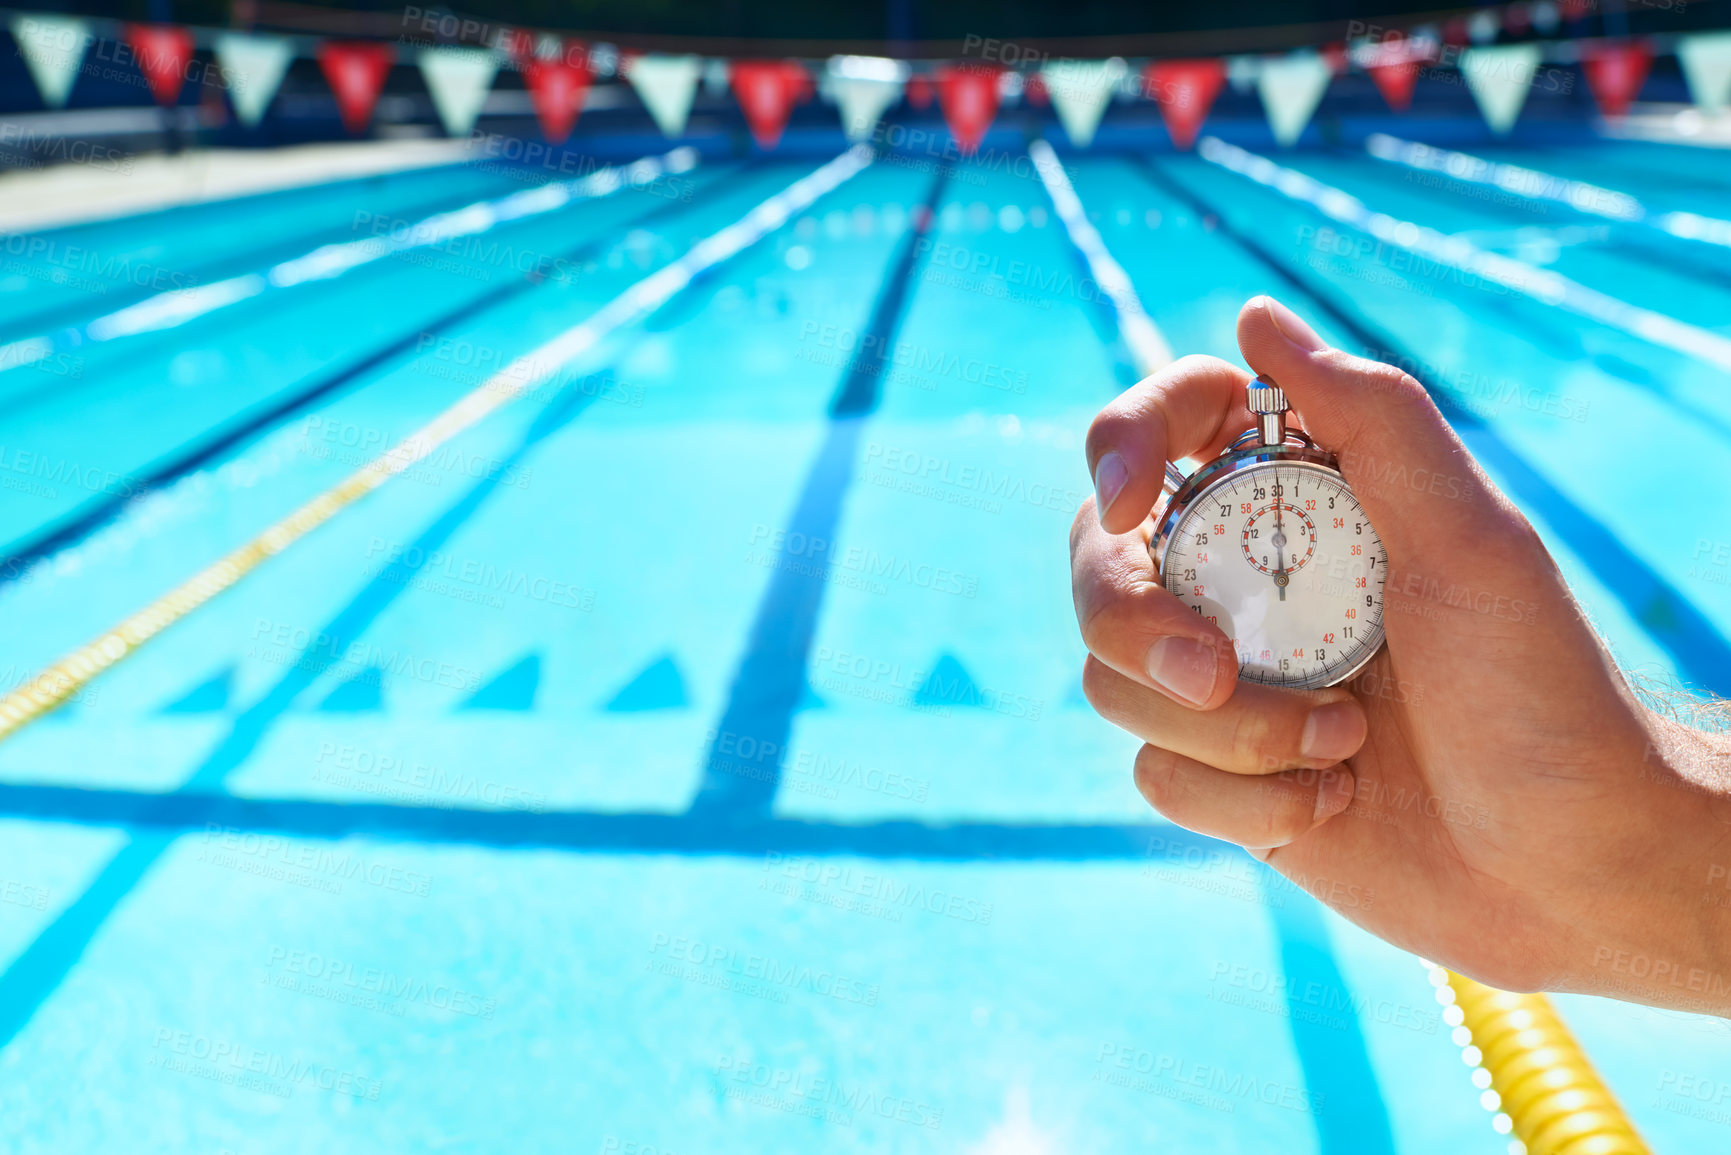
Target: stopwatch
(1268, 543)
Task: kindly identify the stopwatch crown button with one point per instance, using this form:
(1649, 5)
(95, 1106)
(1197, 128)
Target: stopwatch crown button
(1265, 397)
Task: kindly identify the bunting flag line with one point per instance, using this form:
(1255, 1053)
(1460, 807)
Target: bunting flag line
(162, 52)
(556, 88)
(1615, 73)
(1499, 77)
(864, 87)
(666, 85)
(356, 72)
(458, 80)
(53, 49)
(766, 91)
(1291, 86)
(1079, 91)
(252, 69)
(968, 95)
(1706, 62)
(1185, 90)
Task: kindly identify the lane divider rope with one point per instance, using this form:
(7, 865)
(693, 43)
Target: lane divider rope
(1457, 252)
(1532, 1073)
(1147, 344)
(60, 681)
(1531, 184)
(174, 307)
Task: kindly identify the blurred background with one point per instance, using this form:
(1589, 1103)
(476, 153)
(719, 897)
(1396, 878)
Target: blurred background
(535, 590)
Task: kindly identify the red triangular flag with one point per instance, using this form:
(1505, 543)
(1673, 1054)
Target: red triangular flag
(162, 53)
(968, 94)
(1185, 90)
(356, 72)
(556, 89)
(1394, 66)
(767, 91)
(1616, 72)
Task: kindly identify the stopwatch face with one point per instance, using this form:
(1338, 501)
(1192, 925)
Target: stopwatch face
(1282, 558)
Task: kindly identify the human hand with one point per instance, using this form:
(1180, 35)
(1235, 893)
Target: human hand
(1490, 782)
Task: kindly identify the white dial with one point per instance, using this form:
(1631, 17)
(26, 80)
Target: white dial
(1282, 558)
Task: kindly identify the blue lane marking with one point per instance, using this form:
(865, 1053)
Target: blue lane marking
(103, 508)
(511, 689)
(658, 686)
(1336, 1063)
(44, 965)
(1345, 1097)
(210, 696)
(1700, 652)
(148, 814)
(770, 683)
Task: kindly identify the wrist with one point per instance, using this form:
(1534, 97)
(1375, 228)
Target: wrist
(1665, 939)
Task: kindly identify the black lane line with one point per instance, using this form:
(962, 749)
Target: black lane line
(582, 831)
(40, 969)
(771, 677)
(1694, 643)
(105, 508)
(1336, 1061)
(71, 314)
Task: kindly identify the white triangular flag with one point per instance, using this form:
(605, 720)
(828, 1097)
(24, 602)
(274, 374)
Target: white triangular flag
(1080, 90)
(1499, 78)
(1706, 61)
(252, 67)
(459, 80)
(666, 85)
(53, 48)
(1291, 87)
(862, 88)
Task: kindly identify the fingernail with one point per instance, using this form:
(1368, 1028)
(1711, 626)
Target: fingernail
(1332, 732)
(1294, 329)
(1333, 794)
(1184, 667)
(1110, 474)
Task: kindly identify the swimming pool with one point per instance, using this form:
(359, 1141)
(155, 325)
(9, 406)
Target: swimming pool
(690, 755)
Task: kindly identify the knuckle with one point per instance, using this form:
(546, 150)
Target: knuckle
(1081, 524)
(1288, 806)
(1099, 686)
(1256, 741)
(1156, 776)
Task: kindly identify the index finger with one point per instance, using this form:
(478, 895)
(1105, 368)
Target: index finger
(1192, 407)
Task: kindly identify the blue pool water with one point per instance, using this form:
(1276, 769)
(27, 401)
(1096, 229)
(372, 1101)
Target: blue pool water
(543, 801)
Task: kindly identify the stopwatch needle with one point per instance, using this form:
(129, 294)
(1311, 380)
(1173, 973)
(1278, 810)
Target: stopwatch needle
(1279, 552)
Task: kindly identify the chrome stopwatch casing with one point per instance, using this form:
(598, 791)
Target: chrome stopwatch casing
(1268, 543)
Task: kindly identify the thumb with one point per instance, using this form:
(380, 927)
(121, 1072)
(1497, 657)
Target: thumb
(1421, 488)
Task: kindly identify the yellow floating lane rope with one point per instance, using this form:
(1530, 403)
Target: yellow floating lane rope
(59, 682)
(1533, 1072)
